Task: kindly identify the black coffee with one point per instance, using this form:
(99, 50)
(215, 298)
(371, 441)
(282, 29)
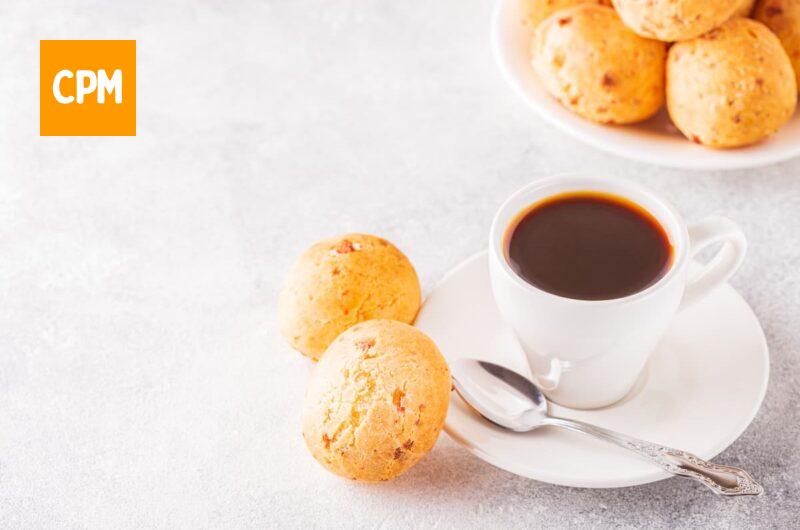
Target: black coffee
(588, 246)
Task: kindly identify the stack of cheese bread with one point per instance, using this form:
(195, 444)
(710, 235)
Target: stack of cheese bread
(379, 392)
(727, 80)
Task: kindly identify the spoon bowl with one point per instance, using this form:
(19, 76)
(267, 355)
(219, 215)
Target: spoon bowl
(500, 395)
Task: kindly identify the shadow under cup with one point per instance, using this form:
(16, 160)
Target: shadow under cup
(586, 351)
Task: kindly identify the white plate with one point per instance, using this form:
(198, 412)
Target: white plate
(654, 141)
(700, 390)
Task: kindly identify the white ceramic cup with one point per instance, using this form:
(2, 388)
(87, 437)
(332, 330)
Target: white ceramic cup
(585, 353)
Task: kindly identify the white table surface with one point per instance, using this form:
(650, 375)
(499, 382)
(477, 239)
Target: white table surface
(142, 381)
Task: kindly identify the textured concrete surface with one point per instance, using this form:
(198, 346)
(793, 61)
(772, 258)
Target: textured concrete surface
(142, 383)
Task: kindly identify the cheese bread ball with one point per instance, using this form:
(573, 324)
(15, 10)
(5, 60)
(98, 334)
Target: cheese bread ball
(598, 68)
(538, 10)
(342, 281)
(745, 8)
(731, 87)
(377, 401)
(783, 18)
(671, 20)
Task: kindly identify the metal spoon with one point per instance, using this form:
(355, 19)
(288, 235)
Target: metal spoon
(513, 401)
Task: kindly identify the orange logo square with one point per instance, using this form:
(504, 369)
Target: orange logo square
(87, 88)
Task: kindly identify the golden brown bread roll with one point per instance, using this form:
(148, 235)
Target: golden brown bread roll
(731, 87)
(595, 66)
(341, 281)
(538, 10)
(783, 18)
(672, 20)
(745, 8)
(377, 401)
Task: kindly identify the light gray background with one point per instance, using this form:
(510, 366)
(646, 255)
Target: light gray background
(142, 382)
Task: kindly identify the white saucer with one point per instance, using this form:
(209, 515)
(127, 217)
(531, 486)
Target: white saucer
(700, 390)
(655, 141)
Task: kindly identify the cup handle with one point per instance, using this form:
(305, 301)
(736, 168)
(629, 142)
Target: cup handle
(723, 265)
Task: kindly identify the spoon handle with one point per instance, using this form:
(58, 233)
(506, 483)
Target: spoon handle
(722, 480)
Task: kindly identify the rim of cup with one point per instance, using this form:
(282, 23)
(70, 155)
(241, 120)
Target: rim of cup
(577, 182)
